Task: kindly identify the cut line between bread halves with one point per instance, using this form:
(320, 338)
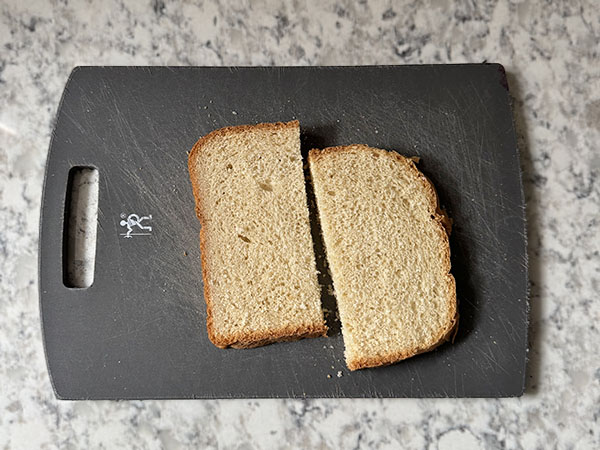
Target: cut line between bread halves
(385, 237)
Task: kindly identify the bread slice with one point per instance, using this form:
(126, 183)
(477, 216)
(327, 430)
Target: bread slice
(258, 264)
(388, 252)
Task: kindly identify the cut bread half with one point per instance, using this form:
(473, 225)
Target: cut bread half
(258, 264)
(387, 246)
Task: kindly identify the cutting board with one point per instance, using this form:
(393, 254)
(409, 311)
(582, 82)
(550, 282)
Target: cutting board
(139, 330)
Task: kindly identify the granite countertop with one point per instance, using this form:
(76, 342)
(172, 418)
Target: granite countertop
(551, 52)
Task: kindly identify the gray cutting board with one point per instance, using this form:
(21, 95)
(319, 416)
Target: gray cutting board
(139, 330)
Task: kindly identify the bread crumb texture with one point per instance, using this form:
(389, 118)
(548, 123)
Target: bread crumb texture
(260, 279)
(388, 253)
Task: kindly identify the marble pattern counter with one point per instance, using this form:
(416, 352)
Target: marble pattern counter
(551, 52)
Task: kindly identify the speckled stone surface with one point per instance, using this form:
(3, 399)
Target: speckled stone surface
(551, 52)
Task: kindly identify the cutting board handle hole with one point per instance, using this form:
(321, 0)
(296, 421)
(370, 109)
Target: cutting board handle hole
(80, 227)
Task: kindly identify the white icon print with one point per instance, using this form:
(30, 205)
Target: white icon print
(133, 220)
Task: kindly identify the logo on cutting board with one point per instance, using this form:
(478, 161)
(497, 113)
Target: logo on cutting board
(133, 220)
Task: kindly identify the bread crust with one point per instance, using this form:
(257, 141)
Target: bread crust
(250, 339)
(444, 225)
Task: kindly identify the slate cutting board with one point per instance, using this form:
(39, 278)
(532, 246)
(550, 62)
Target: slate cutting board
(139, 330)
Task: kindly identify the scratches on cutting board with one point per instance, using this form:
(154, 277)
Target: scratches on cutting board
(139, 327)
(75, 121)
(476, 92)
(507, 325)
(490, 357)
(455, 380)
